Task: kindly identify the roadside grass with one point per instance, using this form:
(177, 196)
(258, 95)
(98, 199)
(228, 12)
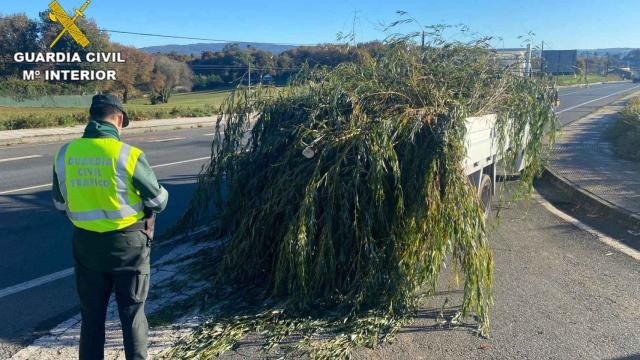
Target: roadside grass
(624, 133)
(196, 104)
(564, 80)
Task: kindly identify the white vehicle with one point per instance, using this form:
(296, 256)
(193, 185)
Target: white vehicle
(482, 162)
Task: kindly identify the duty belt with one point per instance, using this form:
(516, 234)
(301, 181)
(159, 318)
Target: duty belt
(146, 225)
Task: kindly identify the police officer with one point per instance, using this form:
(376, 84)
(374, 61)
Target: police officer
(111, 195)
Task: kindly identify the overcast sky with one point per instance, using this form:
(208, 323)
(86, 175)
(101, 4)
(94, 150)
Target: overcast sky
(562, 24)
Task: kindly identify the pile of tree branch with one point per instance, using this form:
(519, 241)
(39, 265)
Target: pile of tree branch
(344, 195)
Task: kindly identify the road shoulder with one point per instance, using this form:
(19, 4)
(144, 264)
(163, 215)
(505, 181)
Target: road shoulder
(558, 293)
(584, 168)
(32, 136)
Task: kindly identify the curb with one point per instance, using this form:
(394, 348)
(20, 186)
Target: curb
(73, 132)
(579, 196)
(593, 83)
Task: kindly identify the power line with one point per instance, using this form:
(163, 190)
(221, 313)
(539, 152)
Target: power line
(199, 38)
(188, 37)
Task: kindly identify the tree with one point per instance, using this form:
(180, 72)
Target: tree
(167, 75)
(633, 57)
(134, 74)
(18, 33)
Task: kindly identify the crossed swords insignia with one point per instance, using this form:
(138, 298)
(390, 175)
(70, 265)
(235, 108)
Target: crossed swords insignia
(58, 14)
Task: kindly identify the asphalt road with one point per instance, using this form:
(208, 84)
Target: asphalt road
(34, 238)
(578, 102)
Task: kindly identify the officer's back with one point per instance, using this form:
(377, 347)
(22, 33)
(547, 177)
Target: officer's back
(111, 195)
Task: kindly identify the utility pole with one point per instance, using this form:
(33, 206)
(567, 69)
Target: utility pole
(586, 68)
(542, 59)
(249, 75)
(422, 46)
(527, 67)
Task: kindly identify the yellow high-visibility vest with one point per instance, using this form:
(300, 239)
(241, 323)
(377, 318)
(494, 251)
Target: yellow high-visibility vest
(95, 178)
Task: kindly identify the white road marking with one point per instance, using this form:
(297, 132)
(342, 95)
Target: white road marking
(182, 162)
(21, 158)
(153, 167)
(212, 134)
(68, 272)
(166, 140)
(633, 253)
(35, 282)
(598, 99)
(24, 189)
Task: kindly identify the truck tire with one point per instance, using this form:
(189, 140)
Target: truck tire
(485, 192)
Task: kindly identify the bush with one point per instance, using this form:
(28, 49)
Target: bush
(32, 121)
(624, 133)
(21, 90)
(207, 82)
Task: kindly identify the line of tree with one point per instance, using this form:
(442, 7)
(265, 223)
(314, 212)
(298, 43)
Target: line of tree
(603, 64)
(233, 64)
(158, 75)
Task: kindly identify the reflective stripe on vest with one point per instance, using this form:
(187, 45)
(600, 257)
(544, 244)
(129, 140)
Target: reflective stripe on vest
(105, 214)
(61, 171)
(87, 211)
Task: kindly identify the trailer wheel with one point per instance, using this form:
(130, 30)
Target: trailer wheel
(485, 192)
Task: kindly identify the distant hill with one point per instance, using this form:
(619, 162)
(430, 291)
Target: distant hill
(197, 49)
(600, 52)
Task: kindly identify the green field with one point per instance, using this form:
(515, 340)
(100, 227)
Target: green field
(194, 104)
(213, 98)
(564, 80)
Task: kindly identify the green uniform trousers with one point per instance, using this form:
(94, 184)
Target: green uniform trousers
(105, 263)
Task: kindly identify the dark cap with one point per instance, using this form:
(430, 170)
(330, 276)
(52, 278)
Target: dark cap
(112, 100)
